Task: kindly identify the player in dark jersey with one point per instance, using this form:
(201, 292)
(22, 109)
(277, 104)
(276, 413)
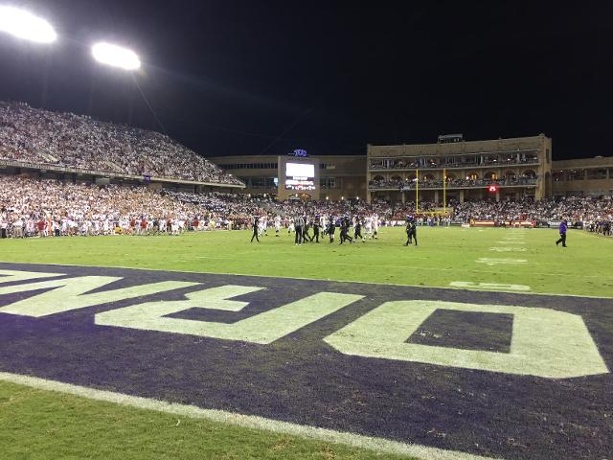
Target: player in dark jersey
(357, 230)
(345, 231)
(411, 230)
(315, 226)
(256, 229)
(331, 229)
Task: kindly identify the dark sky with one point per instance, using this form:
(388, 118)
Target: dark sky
(236, 77)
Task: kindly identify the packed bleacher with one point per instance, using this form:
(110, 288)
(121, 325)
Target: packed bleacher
(40, 137)
(577, 210)
(450, 183)
(33, 207)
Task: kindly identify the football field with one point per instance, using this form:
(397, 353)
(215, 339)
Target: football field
(476, 343)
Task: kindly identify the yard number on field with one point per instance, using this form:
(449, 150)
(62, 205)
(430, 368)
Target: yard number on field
(545, 343)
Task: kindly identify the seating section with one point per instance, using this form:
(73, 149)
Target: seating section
(42, 137)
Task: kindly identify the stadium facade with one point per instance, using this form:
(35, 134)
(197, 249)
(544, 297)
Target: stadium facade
(580, 177)
(455, 169)
(450, 169)
(337, 177)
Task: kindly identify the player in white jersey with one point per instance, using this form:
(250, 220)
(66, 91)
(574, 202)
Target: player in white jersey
(263, 226)
(375, 226)
(277, 224)
(323, 220)
(368, 227)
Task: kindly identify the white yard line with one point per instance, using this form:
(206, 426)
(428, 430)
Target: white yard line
(492, 261)
(248, 421)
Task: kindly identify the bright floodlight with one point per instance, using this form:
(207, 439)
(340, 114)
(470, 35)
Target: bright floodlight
(25, 25)
(116, 56)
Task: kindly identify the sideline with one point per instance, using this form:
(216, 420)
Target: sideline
(247, 421)
(328, 280)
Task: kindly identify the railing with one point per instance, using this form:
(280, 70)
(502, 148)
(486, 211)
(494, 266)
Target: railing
(459, 184)
(413, 167)
(89, 172)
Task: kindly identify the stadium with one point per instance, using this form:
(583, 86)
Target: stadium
(140, 319)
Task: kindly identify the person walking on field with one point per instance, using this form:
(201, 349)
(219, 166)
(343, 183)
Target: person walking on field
(357, 231)
(256, 230)
(411, 231)
(299, 227)
(563, 227)
(331, 229)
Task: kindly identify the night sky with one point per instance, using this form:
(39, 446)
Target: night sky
(247, 77)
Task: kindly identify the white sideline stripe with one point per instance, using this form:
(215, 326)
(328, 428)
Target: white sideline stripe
(247, 421)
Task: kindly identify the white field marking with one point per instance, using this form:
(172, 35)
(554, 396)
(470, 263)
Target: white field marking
(71, 294)
(566, 274)
(489, 261)
(546, 343)
(490, 286)
(506, 249)
(248, 421)
(11, 276)
(262, 328)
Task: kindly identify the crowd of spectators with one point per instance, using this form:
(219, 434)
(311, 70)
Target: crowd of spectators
(30, 207)
(33, 207)
(412, 184)
(67, 140)
(577, 210)
(450, 162)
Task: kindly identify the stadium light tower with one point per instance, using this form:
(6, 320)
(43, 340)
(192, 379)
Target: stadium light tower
(116, 56)
(23, 24)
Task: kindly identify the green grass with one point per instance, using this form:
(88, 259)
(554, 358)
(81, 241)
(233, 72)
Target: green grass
(38, 424)
(42, 425)
(444, 255)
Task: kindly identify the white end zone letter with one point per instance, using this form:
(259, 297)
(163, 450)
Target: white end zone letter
(545, 343)
(262, 328)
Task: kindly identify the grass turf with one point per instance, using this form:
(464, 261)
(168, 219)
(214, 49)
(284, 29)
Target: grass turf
(38, 424)
(46, 425)
(526, 257)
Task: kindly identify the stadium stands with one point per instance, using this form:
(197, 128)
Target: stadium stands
(66, 140)
(31, 206)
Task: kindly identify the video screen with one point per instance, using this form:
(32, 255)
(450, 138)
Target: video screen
(295, 170)
(299, 176)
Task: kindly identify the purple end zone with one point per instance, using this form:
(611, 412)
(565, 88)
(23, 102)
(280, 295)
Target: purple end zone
(301, 379)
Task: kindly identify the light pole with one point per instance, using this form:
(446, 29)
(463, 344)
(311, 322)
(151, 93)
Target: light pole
(116, 56)
(119, 57)
(23, 24)
(27, 26)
